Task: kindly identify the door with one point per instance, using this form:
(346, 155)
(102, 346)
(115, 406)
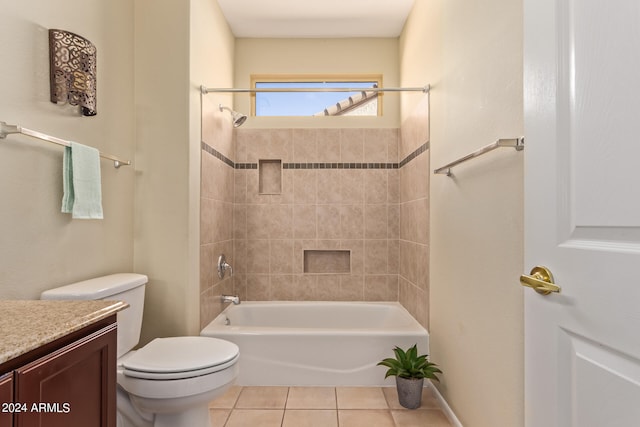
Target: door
(582, 212)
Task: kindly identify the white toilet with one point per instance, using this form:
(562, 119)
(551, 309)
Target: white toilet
(168, 382)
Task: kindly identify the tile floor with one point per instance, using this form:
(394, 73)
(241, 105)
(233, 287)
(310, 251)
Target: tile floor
(322, 407)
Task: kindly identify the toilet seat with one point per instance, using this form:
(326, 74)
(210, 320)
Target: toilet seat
(180, 358)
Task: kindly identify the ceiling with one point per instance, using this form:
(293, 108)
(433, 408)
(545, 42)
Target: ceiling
(316, 18)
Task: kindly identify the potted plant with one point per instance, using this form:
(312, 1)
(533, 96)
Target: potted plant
(410, 371)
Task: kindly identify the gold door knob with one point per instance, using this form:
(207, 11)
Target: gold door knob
(541, 280)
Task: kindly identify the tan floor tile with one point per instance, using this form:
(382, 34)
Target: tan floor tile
(365, 418)
(228, 399)
(421, 418)
(361, 398)
(219, 416)
(311, 398)
(262, 398)
(429, 400)
(255, 418)
(315, 407)
(310, 418)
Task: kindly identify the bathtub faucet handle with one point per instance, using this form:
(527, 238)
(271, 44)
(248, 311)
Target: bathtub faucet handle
(223, 266)
(230, 298)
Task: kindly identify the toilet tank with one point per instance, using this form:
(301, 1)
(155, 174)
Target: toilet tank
(127, 287)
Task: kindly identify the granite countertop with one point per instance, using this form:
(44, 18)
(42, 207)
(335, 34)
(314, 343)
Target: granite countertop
(28, 324)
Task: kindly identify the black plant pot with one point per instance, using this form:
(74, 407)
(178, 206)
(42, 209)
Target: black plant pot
(410, 392)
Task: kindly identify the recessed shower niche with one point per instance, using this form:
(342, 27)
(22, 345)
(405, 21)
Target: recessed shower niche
(327, 261)
(270, 176)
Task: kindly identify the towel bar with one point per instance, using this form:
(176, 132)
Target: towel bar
(517, 143)
(6, 129)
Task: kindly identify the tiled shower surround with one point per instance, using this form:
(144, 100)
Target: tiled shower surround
(358, 191)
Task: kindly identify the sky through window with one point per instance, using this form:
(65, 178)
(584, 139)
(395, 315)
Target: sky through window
(302, 103)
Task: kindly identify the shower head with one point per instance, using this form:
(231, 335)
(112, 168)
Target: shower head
(238, 118)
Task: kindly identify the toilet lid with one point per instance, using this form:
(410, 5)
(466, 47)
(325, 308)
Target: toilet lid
(180, 357)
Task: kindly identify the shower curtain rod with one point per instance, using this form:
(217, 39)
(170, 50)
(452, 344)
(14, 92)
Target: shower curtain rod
(424, 89)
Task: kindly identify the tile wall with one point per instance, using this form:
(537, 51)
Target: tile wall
(216, 209)
(364, 191)
(414, 214)
(338, 191)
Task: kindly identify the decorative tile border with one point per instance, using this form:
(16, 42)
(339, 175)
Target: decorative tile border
(424, 147)
(215, 153)
(246, 166)
(339, 166)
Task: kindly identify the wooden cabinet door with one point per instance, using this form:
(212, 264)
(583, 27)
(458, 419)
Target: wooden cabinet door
(74, 386)
(6, 398)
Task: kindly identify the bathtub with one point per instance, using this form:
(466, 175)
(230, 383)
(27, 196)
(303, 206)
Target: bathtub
(316, 343)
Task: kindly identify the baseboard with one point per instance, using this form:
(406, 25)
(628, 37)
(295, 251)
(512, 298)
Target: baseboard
(445, 407)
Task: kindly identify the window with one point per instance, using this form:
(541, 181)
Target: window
(301, 103)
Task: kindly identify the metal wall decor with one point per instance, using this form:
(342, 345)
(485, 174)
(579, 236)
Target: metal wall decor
(72, 70)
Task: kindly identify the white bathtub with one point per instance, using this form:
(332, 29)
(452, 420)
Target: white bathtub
(316, 343)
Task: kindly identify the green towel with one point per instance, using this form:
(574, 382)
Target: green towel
(81, 182)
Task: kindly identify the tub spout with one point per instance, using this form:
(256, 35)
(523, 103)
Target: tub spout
(231, 298)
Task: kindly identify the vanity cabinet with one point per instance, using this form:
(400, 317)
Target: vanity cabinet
(6, 396)
(72, 384)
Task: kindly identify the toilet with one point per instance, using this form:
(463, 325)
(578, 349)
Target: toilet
(170, 381)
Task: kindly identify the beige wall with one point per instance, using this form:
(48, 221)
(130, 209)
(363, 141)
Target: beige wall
(472, 55)
(318, 56)
(40, 247)
(177, 50)
(162, 179)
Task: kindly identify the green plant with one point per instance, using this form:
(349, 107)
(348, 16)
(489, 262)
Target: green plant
(408, 364)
